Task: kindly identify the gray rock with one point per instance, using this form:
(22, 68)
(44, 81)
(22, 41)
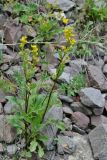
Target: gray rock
(78, 65)
(67, 122)
(91, 97)
(96, 77)
(29, 31)
(98, 120)
(105, 69)
(7, 133)
(55, 113)
(98, 111)
(9, 108)
(12, 33)
(67, 110)
(65, 5)
(78, 130)
(2, 96)
(11, 149)
(13, 69)
(80, 119)
(83, 149)
(77, 106)
(98, 140)
(1, 108)
(3, 21)
(1, 148)
(65, 145)
(66, 99)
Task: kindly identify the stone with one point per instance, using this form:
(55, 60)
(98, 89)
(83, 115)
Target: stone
(67, 122)
(29, 31)
(80, 3)
(2, 148)
(96, 77)
(77, 106)
(55, 113)
(65, 5)
(3, 47)
(98, 140)
(83, 149)
(65, 145)
(80, 119)
(105, 69)
(12, 33)
(66, 99)
(98, 111)
(97, 120)
(11, 149)
(2, 96)
(1, 108)
(7, 133)
(78, 130)
(3, 21)
(67, 110)
(9, 108)
(92, 97)
(78, 64)
(13, 69)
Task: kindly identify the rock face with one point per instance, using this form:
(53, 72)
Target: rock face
(65, 5)
(65, 145)
(91, 97)
(83, 150)
(80, 119)
(96, 77)
(55, 113)
(7, 133)
(98, 140)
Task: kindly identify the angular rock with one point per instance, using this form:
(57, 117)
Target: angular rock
(12, 33)
(78, 130)
(66, 99)
(80, 119)
(1, 148)
(66, 145)
(96, 77)
(91, 97)
(13, 69)
(2, 96)
(55, 113)
(83, 149)
(105, 69)
(9, 108)
(3, 21)
(98, 120)
(1, 108)
(29, 31)
(98, 111)
(78, 64)
(11, 149)
(77, 106)
(7, 133)
(98, 140)
(65, 5)
(67, 110)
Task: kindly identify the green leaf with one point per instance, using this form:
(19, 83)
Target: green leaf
(40, 151)
(33, 146)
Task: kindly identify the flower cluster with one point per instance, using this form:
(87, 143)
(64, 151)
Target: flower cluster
(69, 35)
(23, 41)
(34, 53)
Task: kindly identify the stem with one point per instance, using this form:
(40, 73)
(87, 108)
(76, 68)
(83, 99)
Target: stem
(50, 94)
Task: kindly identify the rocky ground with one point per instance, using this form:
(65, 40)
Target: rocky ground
(85, 116)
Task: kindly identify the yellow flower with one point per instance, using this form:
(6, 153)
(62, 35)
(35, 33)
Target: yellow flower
(73, 41)
(23, 40)
(34, 49)
(65, 20)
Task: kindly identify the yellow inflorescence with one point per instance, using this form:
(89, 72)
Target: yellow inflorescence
(65, 20)
(23, 41)
(35, 53)
(70, 37)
